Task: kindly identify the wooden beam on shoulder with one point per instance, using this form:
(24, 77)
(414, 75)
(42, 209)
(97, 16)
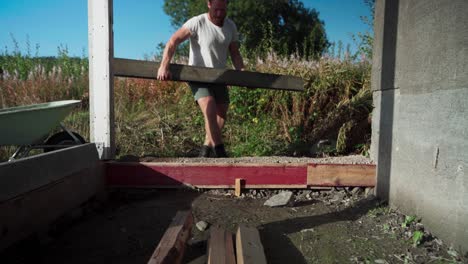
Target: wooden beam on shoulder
(185, 73)
(171, 247)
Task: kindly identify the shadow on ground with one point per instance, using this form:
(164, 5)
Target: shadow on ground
(280, 249)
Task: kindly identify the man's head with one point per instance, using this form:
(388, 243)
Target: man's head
(217, 11)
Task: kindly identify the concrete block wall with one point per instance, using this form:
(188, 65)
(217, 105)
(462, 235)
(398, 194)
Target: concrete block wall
(420, 120)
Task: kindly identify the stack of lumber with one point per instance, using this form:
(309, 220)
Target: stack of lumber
(247, 248)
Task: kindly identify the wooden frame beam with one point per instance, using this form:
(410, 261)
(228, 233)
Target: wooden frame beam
(184, 73)
(218, 175)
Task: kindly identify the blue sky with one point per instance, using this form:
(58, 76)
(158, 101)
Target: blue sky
(138, 25)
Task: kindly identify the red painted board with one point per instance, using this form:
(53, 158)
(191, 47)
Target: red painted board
(167, 174)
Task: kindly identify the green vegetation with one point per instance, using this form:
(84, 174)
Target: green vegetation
(417, 238)
(288, 27)
(409, 219)
(161, 118)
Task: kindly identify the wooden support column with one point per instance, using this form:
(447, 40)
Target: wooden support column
(101, 88)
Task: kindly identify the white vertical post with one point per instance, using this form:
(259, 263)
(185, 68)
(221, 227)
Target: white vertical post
(101, 78)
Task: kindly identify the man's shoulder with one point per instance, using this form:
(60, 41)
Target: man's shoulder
(199, 18)
(229, 22)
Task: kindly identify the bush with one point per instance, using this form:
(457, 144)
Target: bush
(161, 118)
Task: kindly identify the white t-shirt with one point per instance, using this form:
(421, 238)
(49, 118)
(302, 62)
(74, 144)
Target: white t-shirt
(209, 44)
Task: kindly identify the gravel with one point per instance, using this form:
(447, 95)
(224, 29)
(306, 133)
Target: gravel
(352, 159)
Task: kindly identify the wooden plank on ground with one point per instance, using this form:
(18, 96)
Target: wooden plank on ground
(220, 247)
(185, 73)
(336, 175)
(202, 175)
(171, 247)
(249, 247)
(230, 255)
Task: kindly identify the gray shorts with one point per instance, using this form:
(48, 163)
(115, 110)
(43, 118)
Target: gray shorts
(219, 92)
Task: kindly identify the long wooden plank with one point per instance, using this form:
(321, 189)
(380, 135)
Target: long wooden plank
(335, 175)
(148, 70)
(230, 255)
(21, 176)
(220, 247)
(249, 247)
(134, 174)
(37, 209)
(171, 247)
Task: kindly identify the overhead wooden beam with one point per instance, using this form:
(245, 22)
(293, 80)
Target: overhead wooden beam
(249, 247)
(184, 73)
(171, 247)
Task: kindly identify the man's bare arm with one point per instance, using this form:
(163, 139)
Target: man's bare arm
(236, 56)
(178, 37)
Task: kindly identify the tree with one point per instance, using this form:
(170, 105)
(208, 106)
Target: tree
(366, 39)
(283, 26)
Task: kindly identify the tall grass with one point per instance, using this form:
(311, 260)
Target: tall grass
(162, 119)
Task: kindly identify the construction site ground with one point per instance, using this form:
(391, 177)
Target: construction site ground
(345, 225)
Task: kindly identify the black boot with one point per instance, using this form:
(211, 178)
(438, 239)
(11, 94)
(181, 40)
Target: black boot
(206, 152)
(219, 151)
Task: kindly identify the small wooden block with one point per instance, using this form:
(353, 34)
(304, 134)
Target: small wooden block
(172, 245)
(249, 247)
(220, 247)
(239, 184)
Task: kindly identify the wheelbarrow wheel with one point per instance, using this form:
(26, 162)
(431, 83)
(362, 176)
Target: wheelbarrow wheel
(62, 138)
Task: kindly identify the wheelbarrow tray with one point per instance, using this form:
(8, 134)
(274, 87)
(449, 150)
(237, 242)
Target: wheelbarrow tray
(31, 124)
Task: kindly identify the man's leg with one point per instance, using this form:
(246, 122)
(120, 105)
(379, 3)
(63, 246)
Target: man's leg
(212, 125)
(221, 113)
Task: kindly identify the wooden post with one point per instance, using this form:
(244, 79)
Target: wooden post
(239, 183)
(101, 78)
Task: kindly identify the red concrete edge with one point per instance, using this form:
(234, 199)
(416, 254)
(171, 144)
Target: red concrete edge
(134, 174)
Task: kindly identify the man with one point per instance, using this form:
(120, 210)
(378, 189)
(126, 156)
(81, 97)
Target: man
(212, 35)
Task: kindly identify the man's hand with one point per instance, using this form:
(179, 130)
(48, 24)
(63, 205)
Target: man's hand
(179, 36)
(163, 73)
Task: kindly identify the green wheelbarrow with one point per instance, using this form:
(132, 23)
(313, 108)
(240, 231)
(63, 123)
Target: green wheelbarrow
(28, 127)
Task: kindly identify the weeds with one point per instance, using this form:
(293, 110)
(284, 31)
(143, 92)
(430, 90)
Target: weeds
(162, 119)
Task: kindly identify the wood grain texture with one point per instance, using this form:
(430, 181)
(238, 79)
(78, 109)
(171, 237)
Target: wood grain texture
(340, 175)
(134, 174)
(220, 247)
(238, 189)
(171, 247)
(148, 70)
(249, 247)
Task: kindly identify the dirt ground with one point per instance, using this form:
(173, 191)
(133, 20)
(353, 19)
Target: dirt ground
(321, 226)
